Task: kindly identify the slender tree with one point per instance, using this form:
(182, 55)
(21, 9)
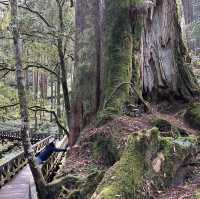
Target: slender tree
(60, 47)
(25, 128)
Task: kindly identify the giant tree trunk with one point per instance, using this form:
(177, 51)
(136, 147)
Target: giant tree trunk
(103, 59)
(86, 85)
(117, 53)
(164, 71)
(122, 25)
(25, 129)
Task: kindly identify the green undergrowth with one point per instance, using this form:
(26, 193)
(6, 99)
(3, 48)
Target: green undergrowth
(192, 115)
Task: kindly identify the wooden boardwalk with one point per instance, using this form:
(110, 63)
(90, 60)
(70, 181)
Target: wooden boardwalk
(22, 186)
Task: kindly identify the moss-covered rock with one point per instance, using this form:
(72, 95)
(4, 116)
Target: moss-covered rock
(147, 157)
(192, 115)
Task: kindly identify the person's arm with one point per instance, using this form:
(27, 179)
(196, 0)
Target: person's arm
(59, 150)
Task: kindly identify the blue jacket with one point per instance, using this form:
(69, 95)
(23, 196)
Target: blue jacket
(47, 152)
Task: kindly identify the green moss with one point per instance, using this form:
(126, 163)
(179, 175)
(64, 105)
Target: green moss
(168, 129)
(119, 41)
(197, 195)
(175, 151)
(107, 193)
(127, 177)
(105, 151)
(85, 190)
(162, 125)
(192, 115)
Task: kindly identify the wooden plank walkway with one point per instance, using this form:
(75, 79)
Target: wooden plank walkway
(22, 186)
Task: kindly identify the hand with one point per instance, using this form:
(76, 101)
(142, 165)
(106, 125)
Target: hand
(68, 148)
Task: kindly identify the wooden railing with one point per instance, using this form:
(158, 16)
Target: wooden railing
(50, 165)
(10, 168)
(16, 135)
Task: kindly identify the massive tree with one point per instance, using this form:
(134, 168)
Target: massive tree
(165, 72)
(86, 86)
(106, 40)
(114, 41)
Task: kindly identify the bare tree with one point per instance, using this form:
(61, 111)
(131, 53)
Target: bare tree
(25, 129)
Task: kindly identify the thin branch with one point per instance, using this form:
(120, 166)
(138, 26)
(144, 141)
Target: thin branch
(26, 7)
(9, 105)
(38, 108)
(4, 66)
(39, 66)
(37, 13)
(134, 90)
(4, 75)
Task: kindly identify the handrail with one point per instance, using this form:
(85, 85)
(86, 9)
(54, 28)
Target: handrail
(16, 135)
(10, 168)
(49, 166)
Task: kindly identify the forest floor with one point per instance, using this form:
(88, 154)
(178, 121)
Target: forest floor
(8, 150)
(81, 161)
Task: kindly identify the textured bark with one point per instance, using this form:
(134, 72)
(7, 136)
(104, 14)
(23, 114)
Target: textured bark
(60, 42)
(103, 58)
(86, 87)
(35, 84)
(52, 98)
(164, 71)
(121, 35)
(58, 105)
(25, 129)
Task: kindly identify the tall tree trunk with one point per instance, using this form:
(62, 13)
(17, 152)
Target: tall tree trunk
(62, 61)
(25, 129)
(58, 96)
(86, 85)
(164, 71)
(52, 98)
(35, 84)
(27, 79)
(121, 35)
(36, 123)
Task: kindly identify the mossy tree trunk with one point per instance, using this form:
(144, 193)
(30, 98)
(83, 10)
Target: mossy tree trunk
(164, 70)
(104, 57)
(120, 40)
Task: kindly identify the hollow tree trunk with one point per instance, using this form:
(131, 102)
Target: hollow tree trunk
(25, 129)
(164, 71)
